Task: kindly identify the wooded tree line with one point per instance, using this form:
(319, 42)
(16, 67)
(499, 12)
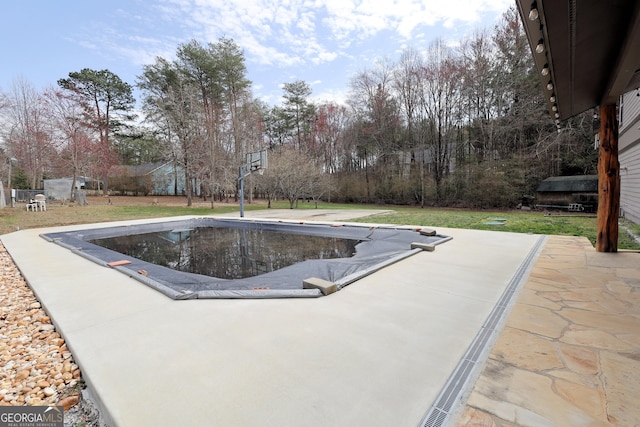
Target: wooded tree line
(460, 124)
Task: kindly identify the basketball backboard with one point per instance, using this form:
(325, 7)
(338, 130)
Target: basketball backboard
(257, 160)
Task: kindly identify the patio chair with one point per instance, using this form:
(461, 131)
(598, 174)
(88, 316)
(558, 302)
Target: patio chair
(32, 205)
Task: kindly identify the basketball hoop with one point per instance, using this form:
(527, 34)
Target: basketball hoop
(256, 162)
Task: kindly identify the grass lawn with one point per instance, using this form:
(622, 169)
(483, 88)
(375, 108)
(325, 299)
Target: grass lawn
(536, 222)
(125, 208)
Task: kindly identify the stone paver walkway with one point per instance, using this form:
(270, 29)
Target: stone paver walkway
(569, 354)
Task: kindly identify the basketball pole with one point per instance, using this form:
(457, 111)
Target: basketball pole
(241, 179)
(244, 171)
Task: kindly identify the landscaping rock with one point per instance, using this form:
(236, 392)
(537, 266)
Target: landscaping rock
(36, 367)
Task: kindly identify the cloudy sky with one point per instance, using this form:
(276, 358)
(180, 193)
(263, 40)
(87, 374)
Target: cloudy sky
(323, 42)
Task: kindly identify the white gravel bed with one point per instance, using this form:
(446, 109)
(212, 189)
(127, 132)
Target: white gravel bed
(36, 367)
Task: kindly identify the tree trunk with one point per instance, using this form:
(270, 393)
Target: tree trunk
(422, 179)
(73, 187)
(608, 181)
(188, 184)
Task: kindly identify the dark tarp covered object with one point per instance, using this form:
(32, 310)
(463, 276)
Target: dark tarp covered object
(570, 184)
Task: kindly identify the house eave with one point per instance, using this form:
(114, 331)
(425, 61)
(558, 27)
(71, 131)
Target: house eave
(591, 51)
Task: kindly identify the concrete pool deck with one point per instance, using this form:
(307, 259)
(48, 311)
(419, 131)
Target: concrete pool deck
(377, 353)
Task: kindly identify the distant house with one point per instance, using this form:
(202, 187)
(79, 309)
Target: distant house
(157, 179)
(574, 193)
(60, 188)
(427, 157)
(629, 155)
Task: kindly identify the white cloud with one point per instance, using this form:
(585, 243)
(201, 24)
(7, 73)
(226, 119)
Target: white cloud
(313, 31)
(306, 23)
(326, 56)
(338, 96)
(304, 34)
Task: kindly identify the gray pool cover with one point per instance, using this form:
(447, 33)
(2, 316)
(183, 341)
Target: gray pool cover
(379, 247)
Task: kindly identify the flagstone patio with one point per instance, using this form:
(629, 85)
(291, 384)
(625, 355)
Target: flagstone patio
(569, 354)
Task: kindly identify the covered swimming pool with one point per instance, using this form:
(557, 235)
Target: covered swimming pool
(231, 258)
(394, 339)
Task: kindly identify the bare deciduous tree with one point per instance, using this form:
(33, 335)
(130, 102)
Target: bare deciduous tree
(28, 134)
(73, 140)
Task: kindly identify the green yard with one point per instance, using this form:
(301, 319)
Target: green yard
(125, 208)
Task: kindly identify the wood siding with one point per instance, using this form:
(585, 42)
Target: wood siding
(629, 111)
(629, 146)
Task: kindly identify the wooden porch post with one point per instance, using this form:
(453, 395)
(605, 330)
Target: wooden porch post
(608, 181)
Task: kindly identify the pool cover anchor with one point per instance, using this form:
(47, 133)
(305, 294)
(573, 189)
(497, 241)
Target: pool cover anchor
(325, 286)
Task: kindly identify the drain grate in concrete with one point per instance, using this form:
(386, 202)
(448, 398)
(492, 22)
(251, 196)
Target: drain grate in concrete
(451, 394)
